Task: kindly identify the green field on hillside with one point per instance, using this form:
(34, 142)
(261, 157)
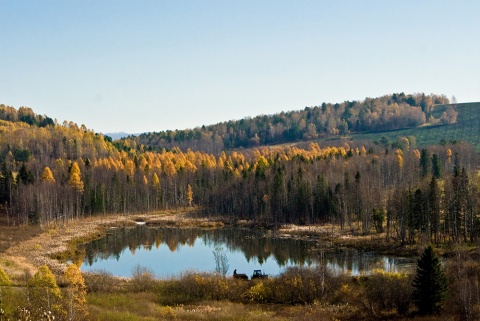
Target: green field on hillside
(466, 129)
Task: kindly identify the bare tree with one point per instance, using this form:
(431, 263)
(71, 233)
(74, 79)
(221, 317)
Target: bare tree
(221, 261)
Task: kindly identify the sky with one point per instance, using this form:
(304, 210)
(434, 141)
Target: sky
(139, 66)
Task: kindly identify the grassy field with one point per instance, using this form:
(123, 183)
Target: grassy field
(466, 129)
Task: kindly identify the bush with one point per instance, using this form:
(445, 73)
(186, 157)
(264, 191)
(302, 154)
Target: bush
(388, 290)
(5, 292)
(189, 287)
(192, 286)
(100, 281)
(143, 279)
(464, 283)
(297, 285)
(259, 293)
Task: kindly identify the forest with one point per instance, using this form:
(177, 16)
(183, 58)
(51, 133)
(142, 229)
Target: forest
(50, 172)
(389, 112)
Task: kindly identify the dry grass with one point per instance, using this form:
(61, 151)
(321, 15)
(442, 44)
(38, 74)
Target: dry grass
(24, 248)
(141, 306)
(331, 235)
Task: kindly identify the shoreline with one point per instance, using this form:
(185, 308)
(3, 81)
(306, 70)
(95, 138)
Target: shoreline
(56, 243)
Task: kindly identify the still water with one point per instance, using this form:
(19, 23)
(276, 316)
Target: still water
(170, 251)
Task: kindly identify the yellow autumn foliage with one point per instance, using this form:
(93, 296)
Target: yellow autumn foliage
(47, 176)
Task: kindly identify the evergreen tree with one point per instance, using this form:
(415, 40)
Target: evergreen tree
(434, 208)
(26, 176)
(436, 166)
(5, 180)
(430, 283)
(424, 163)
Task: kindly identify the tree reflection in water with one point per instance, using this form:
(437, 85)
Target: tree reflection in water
(169, 251)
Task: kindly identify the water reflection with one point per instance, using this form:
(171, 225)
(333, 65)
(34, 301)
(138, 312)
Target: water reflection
(169, 251)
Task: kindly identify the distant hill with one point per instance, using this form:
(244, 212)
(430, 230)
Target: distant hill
(325, 121)
(465, 129)
(119, 135)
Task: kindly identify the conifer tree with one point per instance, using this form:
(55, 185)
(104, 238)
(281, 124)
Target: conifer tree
(436, 167)
(5, 179)
(430, 283)
(434, 208)
(47, 175)
(26, 176)
(75, 179)
(424, 163)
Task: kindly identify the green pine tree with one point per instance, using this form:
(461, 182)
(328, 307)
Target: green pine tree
(424, 163)
(436, 166)
(430, 283)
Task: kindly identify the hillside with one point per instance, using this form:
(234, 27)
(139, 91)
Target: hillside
(465, 129)
(325, 121)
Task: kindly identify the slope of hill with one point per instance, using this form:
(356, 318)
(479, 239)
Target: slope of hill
(395, 111)
(465, 129)
(119, 135)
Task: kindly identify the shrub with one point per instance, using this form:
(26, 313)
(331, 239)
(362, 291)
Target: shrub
(189, 287)
(464, 283)
(297, 285)
(388, 290)
(5, 292)
(143, 279)
(4, 279)
(168, 313)
(257, 293)
(193, 286)
(100, 281)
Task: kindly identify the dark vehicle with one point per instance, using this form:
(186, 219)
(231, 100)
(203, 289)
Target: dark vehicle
(257, 274)
(242, 276)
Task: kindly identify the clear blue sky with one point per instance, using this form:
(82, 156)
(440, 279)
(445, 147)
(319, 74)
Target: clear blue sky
(139, 66)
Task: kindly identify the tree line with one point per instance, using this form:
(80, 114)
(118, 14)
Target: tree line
(388, 112)
(63, 171)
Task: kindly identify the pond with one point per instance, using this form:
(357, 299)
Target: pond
(170, 251)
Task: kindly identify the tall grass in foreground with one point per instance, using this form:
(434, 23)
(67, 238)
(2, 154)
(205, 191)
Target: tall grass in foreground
(296, 294)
